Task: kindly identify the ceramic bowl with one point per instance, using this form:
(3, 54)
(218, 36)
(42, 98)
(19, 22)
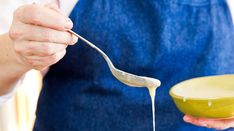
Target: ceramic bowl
(206, 97)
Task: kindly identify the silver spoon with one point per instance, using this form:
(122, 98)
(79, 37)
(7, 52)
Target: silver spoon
(126, 78)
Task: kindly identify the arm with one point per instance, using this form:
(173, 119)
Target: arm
(37, 39)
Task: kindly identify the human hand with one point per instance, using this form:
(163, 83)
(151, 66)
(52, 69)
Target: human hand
(219, 124)
(39, 35)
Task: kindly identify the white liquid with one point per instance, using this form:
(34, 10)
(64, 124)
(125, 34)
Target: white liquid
(206, 87)
(204, 91)
(151, 85)
(209, 103)
(184, 99)
(152, 92)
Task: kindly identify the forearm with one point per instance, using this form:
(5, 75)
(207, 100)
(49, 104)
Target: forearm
(11, 70)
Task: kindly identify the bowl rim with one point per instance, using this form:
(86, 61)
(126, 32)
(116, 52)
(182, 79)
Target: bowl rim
(173, 95)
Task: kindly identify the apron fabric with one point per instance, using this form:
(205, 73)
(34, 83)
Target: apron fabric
(172, 40)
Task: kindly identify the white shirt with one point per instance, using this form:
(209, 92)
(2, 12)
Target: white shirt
(8, 7)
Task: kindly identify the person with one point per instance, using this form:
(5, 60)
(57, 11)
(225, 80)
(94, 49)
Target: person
(171, 40)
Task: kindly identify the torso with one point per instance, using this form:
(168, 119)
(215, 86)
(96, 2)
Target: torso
(171, 41)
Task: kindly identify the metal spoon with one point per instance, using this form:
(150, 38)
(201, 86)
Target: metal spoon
(126, 78)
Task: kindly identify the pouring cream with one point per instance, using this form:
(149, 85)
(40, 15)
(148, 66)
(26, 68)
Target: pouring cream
(151, 85)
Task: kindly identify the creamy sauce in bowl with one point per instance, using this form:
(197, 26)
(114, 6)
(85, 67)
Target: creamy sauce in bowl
(206, 88)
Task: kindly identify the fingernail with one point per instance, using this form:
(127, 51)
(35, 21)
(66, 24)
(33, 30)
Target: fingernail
(69, 24)
(74, 39)
(186, 119)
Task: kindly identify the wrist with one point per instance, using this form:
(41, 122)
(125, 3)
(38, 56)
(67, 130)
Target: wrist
(11, 67)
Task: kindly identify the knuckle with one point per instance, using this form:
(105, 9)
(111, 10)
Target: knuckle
(14, 33)
(48, 50)
(54, 58)
(47, 36)
(18, 12)
(18, 49)
(30, 48)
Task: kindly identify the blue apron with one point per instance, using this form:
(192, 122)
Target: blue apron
(171, 40)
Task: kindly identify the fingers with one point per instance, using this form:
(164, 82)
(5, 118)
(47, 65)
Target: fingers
(39, 55)
(40, 63)
(41, 49)
(210, 123)
(193, 120)
(43, 16)
(42, 34)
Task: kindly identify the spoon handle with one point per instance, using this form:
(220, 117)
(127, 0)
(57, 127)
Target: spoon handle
(82, 38)
(96, 48)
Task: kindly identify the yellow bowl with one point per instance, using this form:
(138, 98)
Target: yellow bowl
(207, 97)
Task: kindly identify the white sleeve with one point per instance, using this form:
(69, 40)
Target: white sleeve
(67, 5)
(7, 9)
(231, 7)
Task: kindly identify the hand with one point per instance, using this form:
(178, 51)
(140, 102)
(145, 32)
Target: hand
(39, 35)
(219, 124)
